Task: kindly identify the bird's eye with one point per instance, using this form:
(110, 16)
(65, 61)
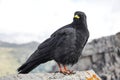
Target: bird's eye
(76, 16)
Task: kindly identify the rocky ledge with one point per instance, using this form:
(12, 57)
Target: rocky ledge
(79, 75)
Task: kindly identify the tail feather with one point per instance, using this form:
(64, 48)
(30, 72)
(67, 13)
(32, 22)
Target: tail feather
(27, 67)
(21, 67)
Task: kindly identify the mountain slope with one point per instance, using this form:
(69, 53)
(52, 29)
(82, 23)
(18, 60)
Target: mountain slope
(13, 55)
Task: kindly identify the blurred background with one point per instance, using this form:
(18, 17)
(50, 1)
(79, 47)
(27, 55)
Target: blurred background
(24, 24)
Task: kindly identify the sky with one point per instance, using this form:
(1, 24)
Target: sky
(35, 20)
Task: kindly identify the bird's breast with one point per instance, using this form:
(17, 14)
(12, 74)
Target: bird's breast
(80, 38)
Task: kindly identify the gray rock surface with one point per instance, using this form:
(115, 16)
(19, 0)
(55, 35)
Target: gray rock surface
(79, 75)
(103, 56)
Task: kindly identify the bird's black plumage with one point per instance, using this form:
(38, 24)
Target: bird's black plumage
(64, 46)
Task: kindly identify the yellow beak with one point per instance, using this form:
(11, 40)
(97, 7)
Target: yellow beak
(76, 16)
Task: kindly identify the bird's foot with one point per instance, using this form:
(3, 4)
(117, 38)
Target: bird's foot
(67, 72)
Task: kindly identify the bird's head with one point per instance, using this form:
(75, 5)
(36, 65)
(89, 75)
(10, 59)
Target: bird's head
(79, 17)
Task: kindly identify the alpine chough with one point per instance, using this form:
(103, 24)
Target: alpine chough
(64, 46)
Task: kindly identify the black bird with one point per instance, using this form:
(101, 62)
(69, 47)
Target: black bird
(64, 46)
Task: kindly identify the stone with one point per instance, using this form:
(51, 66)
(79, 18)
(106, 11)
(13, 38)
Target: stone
(79, 75)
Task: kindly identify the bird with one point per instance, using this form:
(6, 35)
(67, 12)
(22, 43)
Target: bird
(64, 46)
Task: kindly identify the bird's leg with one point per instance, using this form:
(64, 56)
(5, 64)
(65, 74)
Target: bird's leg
(67, 70)
(60, 67)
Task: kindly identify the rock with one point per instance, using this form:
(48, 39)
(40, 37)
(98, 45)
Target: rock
(79, 75)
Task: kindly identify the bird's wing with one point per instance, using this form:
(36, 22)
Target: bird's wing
(66, 40)
(63, 37)
(42, 50)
